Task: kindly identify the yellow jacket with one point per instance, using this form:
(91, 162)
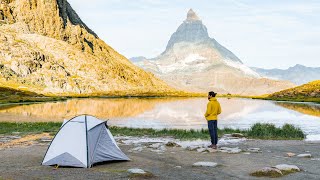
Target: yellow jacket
(213, 109)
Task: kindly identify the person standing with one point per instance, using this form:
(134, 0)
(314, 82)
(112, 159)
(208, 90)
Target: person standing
(211, 115)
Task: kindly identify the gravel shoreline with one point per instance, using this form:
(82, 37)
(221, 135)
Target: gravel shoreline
(164, 158)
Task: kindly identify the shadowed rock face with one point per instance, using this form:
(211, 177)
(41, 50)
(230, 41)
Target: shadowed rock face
(194, 61)
(47, 48)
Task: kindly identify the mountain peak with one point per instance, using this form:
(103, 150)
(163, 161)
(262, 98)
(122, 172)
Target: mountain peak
(192, 16)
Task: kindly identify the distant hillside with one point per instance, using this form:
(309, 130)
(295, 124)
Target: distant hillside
(297, 74)
(306, 92)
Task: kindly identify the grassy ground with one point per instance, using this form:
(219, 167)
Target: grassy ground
(8, 95)
(257, 131)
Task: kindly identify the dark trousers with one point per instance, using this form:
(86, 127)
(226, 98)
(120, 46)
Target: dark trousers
(213, 130)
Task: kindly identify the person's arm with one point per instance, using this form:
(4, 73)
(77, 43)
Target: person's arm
(208, 110)
(219, 108)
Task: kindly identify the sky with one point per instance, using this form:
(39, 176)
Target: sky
(266, 34)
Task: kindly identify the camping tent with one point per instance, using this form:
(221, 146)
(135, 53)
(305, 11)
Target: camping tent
(81, 142)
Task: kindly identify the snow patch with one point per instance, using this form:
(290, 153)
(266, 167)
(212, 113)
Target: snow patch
(190, 61)
(242, 68)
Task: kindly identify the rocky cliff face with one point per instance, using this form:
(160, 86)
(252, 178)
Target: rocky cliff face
(195, 62)
(45, 47)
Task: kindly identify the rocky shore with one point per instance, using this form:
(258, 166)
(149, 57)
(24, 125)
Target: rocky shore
(168, 158)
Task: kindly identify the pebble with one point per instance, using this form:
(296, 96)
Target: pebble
(136, 171)
(205, 164)
(254, 150)
(304, 155)
(290, 154)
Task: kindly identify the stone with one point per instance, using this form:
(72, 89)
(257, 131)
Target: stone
(289, 154)
(254, 150)
(172, 144)
(205, 164)
(139, 149)
(286, 167)
(192, 148)
(179, 167)
(230, 150)
(136, 171)
(155, 145)
(202, 149)
(304, 155)
(267, 172)
(239, 135)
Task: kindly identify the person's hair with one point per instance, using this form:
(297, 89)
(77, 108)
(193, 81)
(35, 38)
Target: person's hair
(213, 94)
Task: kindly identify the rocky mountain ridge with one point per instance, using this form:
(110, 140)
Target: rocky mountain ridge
(46, 48)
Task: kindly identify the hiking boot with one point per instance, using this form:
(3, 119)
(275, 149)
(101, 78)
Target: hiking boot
(213, 146)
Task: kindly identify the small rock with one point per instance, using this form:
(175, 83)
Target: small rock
(15, 133)
(247, 153)
(155, 145)
(172, 144)
(210, 150)
(286, 167)
(304, 155)
(179, 167)
(239, 135)
(267, 172)
(290, 154)
(230, 150)
(139, 149)
(205, 164)
(136, 171)
(315, 159)
(254, 150)
(201, 149)
(192, 148)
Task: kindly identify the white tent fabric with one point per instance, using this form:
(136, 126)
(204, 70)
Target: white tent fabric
(81, 142)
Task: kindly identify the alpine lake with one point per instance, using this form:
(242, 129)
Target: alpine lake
(171, 113)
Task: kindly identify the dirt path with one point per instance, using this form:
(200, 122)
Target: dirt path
(24, 163)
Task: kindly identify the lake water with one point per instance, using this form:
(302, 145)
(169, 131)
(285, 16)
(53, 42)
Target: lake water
(182, 113)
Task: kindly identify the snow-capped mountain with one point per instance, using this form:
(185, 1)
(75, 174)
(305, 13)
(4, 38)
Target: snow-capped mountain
(297, 74)
(194, 61)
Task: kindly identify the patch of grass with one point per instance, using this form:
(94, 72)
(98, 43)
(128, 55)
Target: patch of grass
(271, 174)
(270, 131)
(257, 131)
(146, 175)
(29, 127)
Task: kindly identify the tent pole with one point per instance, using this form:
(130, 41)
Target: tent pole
(85, 116)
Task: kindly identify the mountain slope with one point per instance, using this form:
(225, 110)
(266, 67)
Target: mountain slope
(195, 62)
(45, 47)
(306, 92)
(297, 74)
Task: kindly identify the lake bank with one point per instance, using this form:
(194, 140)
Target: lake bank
(257, 131)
